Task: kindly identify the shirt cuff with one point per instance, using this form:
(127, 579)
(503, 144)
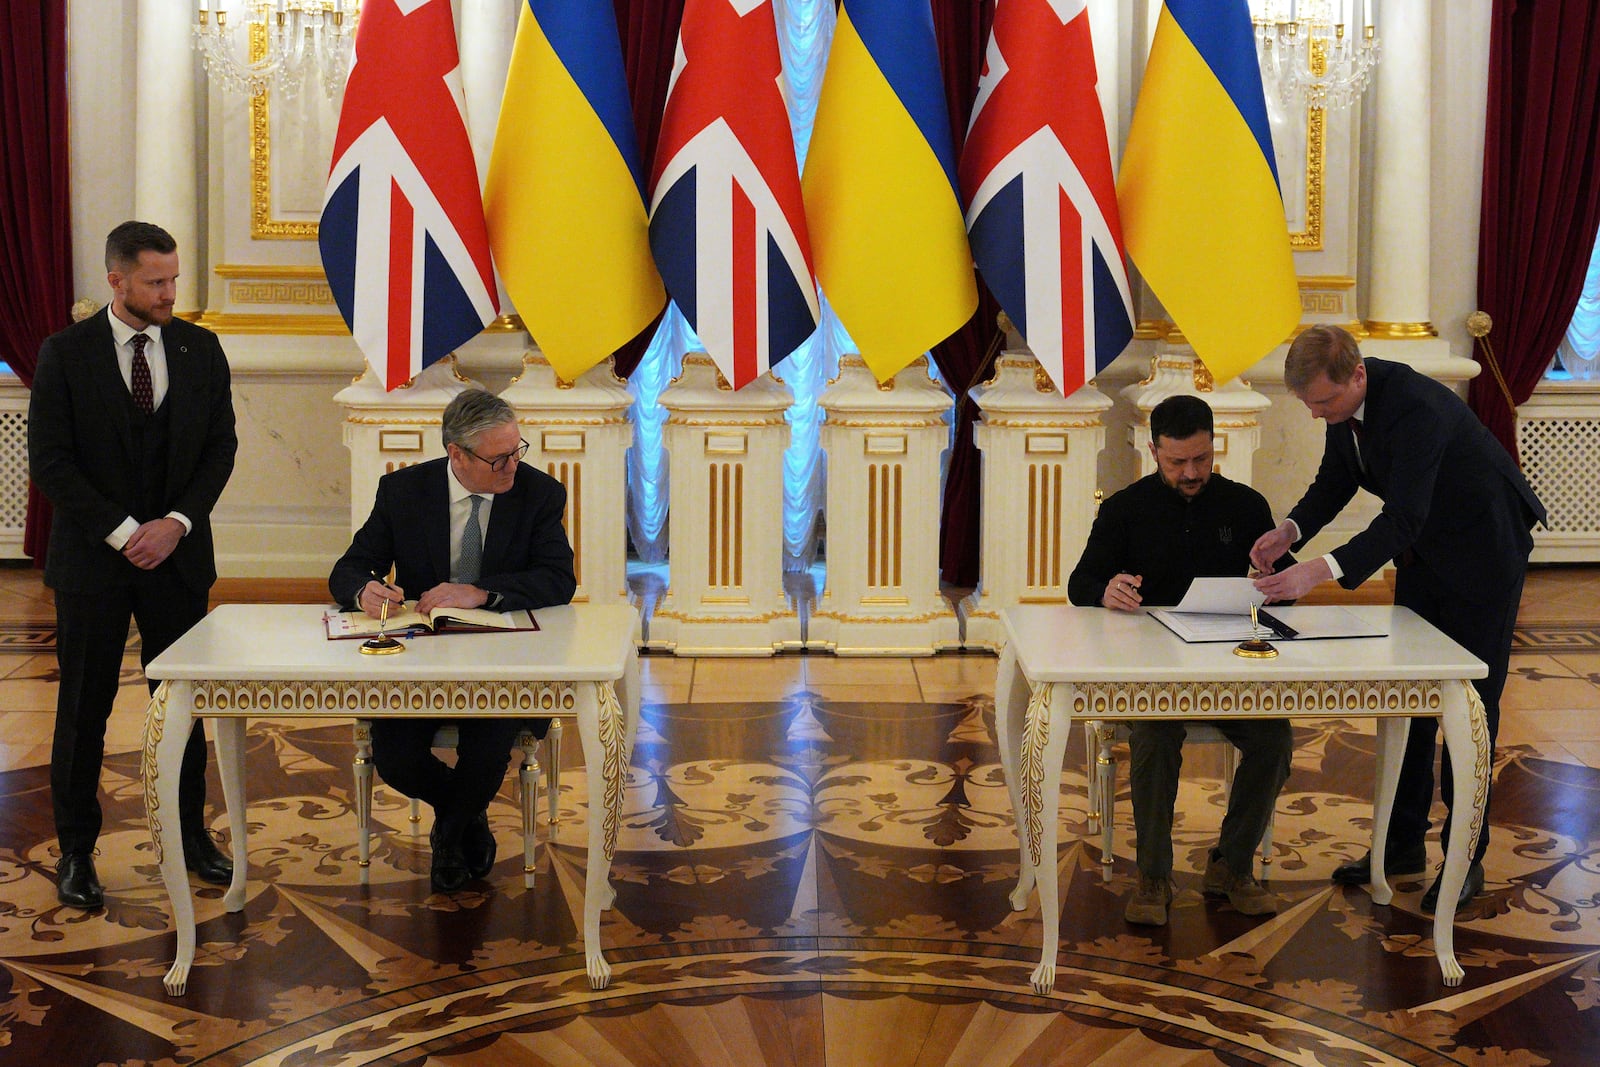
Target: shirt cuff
(188, 527)
(119, 537)
(1333, 566)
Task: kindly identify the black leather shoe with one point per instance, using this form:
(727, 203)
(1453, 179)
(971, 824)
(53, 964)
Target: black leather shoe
(478, 846)
(1397, 863)
(202, 856)
(76, 884)
(1469, 889)
(448, 871)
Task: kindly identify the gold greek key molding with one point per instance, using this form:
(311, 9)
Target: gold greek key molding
(155, 725)
(1321, 303)
(1223, 699)
(311, 294)
(366, 699)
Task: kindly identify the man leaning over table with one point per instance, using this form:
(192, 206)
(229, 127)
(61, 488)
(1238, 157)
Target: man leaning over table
(1148, 542)
(476, 529)
(1456, 520)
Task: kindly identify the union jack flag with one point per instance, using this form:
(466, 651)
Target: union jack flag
(727, 224)
(1041, 201)
(402, 235)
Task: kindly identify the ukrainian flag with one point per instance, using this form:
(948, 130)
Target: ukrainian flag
(887, 235)
(564, 196)
(1202, 214)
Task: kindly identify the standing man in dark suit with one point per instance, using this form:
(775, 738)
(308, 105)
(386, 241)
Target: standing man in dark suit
(130, 436)
(1456, 519)
(477, 528)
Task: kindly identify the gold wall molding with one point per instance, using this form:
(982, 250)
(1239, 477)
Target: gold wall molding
(1400, 331)
(288, 325)
(1310, 238)
(262, 225)
(1035, 423)
(723, 620)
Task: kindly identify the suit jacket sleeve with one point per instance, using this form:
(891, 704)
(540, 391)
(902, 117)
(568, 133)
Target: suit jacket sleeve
(197, 484)
(53, 451)
(535, 569)
(1104, 555)
(1333, 487)
(372, 550)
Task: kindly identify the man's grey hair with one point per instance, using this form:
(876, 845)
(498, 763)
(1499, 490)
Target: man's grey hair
(471, 413)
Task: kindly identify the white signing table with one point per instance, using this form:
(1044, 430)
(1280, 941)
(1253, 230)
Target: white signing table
(246, 660)
(1061, 663)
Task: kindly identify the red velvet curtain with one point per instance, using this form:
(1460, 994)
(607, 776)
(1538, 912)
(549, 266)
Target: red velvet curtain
(35, 215)
(967, 357)
(1541, 194)
(649, 32)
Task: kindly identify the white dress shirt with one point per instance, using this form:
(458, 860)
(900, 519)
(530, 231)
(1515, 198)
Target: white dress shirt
(155, 354)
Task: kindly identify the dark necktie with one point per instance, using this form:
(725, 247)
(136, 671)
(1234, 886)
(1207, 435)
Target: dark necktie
(1355, 431)
(471, 560)
(144, 393)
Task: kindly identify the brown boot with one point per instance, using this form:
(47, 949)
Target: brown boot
(1248, 896)
(1148, 905)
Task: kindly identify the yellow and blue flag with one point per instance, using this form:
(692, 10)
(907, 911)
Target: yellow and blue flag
(565, 192)
(881, 200)
(1202, 212)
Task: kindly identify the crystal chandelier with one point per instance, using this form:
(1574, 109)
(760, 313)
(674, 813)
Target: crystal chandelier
(1317, 53)
(286, 44)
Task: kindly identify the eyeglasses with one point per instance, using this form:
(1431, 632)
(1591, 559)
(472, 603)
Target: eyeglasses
(498, 463)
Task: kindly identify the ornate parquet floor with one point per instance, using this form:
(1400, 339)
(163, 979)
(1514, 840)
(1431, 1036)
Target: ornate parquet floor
(814, 869)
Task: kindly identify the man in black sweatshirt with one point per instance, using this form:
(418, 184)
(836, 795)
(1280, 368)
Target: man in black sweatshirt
(1148, 542)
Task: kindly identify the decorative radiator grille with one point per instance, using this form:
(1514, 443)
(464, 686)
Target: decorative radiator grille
(13, 477)
(1560, 456)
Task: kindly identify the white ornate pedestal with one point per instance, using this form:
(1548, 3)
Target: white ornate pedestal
(883, 445)
(387, 431)
(1040, 456)
(579, 435)
(1235, 408)
(725, 596)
